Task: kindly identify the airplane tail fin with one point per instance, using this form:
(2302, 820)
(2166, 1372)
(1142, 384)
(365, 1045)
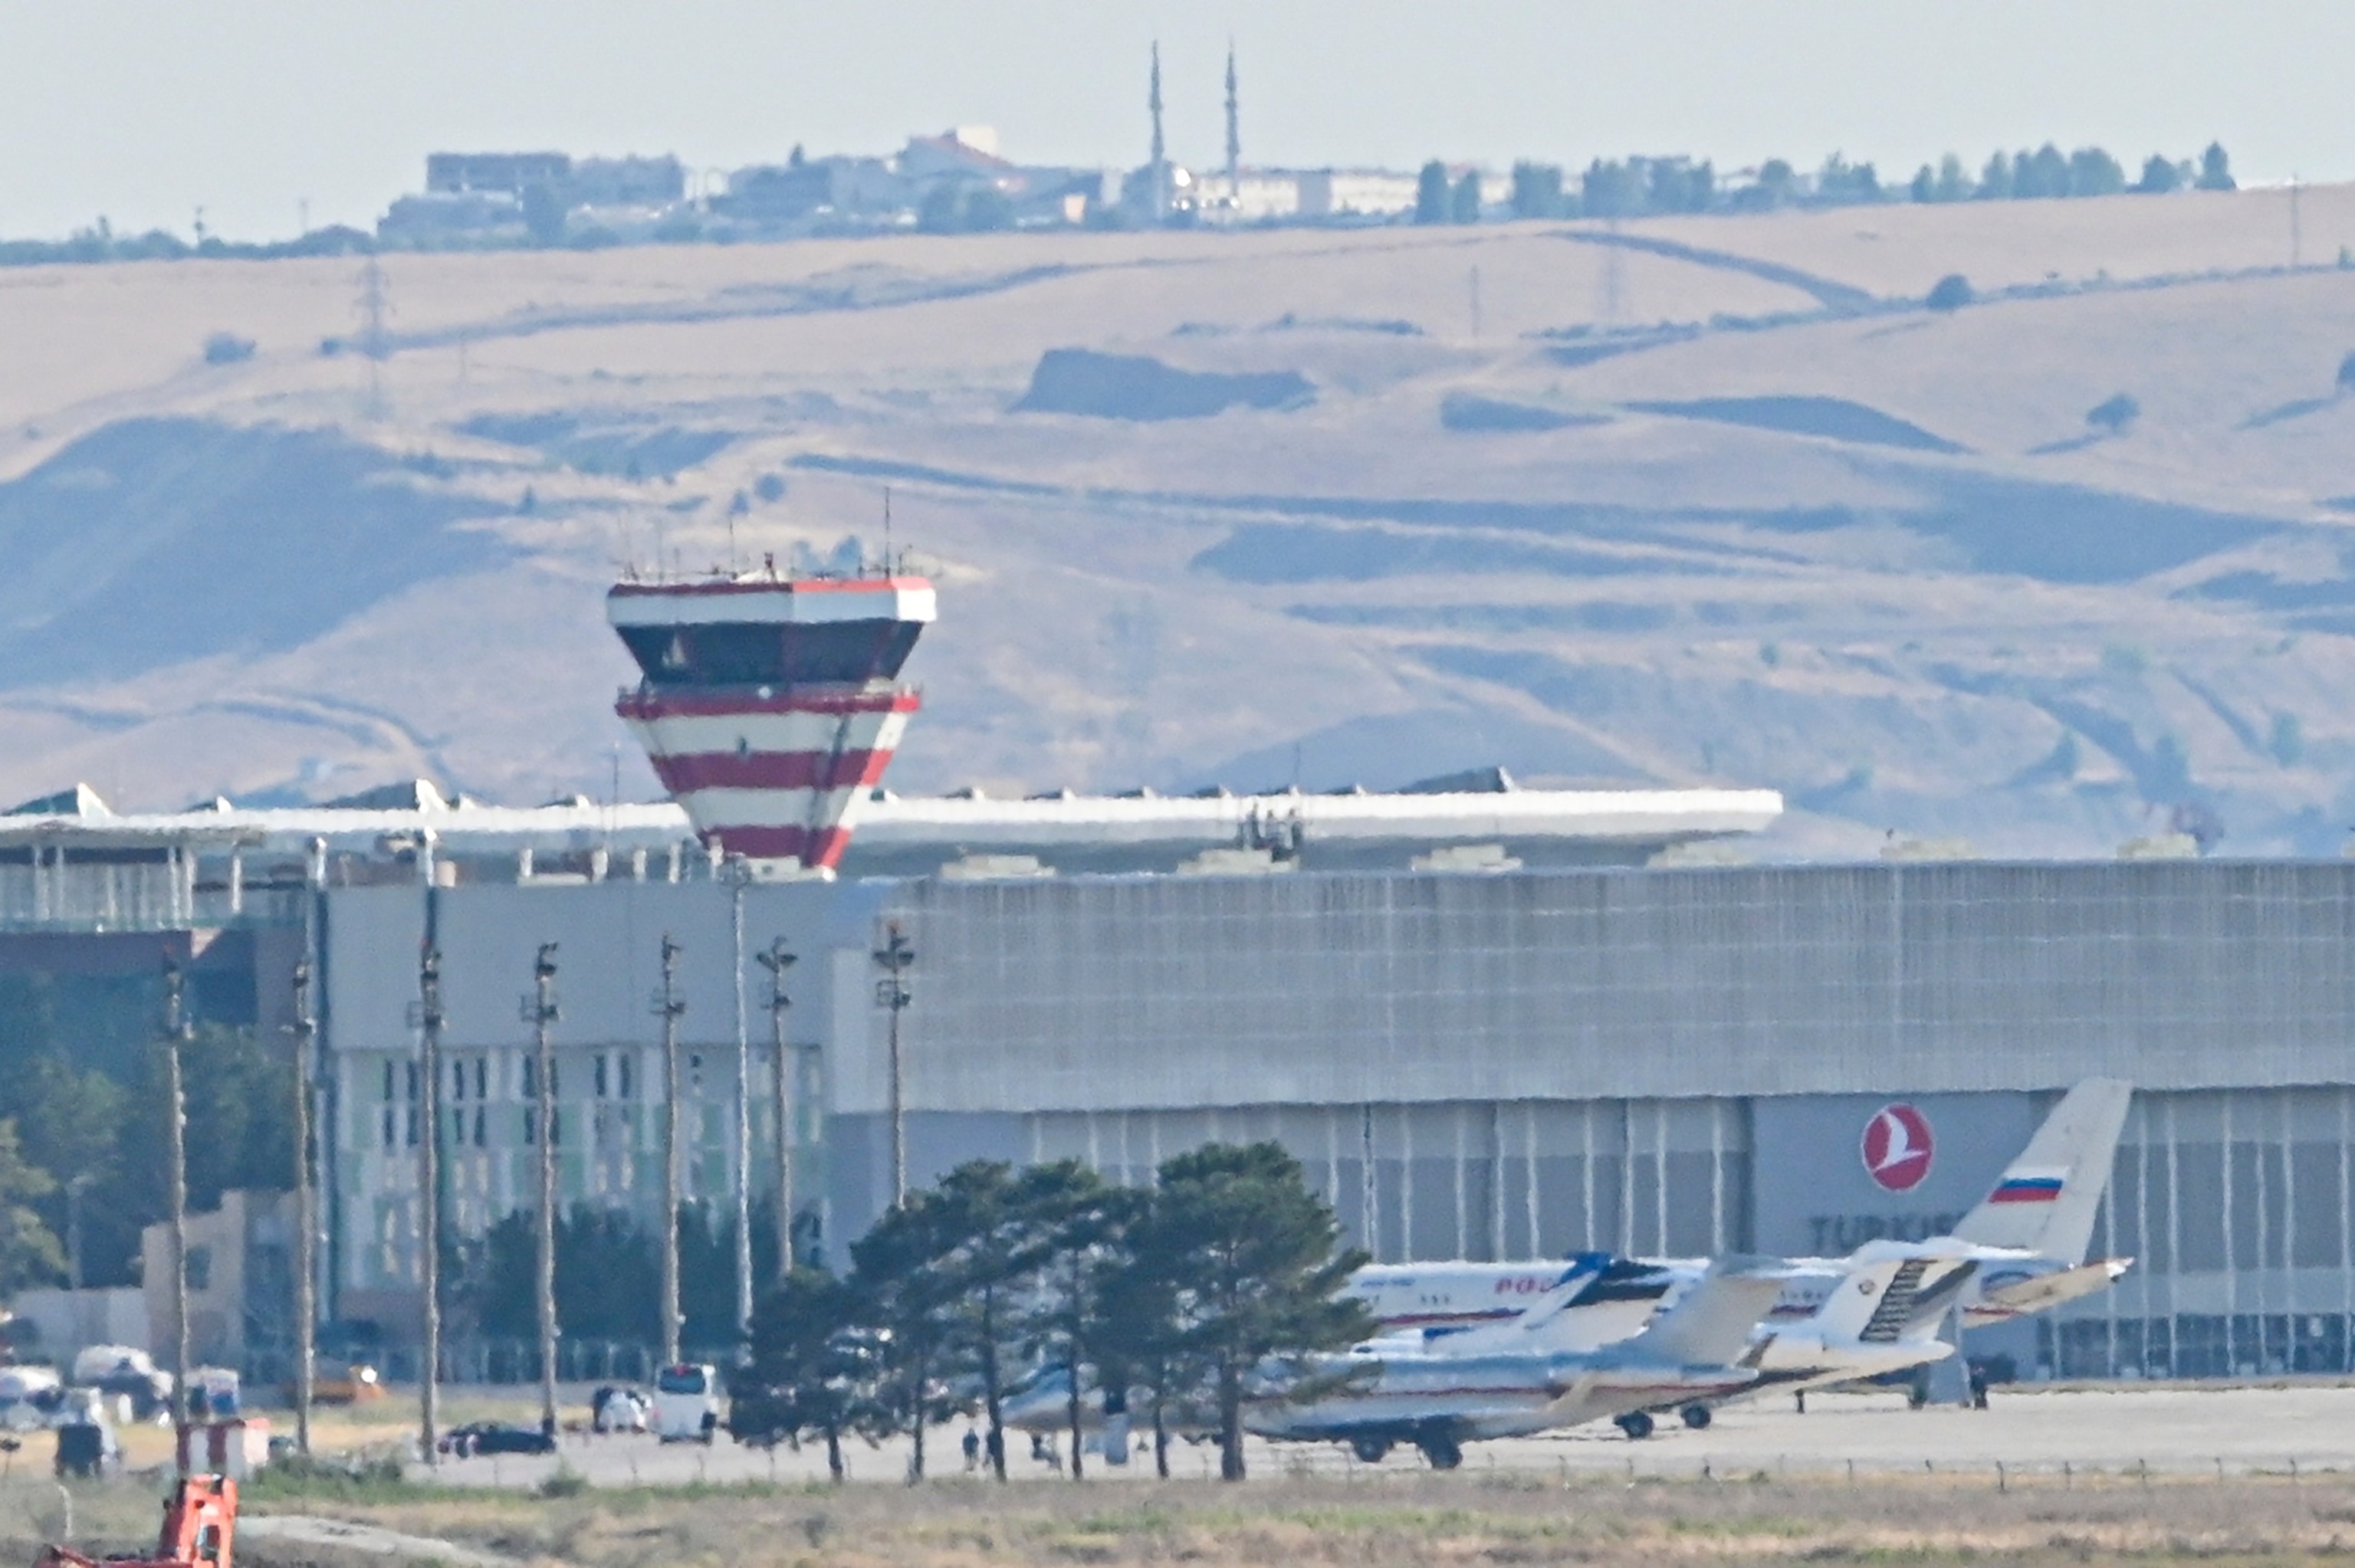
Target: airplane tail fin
(1548, 1319)
(2047, 1199)
(1711, 1325)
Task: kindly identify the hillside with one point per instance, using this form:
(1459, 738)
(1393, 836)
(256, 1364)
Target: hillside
(1698, 500)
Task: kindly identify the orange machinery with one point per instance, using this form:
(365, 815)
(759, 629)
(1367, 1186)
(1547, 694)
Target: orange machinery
(199, 1531)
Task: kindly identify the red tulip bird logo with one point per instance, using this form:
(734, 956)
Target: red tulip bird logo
(1897, 1147)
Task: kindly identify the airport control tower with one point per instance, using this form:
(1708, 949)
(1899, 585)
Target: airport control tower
(770, 706)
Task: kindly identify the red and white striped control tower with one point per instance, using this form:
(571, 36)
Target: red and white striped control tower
(770, 706)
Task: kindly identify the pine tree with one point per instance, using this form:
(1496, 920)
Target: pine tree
(1537, 190)
(1431, 193)
(813, 1369)
(29, 1252)
(900, 1270)
(1001, 1229)
(2216, 169)
(1086, 1252)
(1464, 205)
(1252, 1259)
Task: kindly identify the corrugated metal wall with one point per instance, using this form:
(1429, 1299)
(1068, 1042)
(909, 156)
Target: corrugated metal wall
(1145, 992)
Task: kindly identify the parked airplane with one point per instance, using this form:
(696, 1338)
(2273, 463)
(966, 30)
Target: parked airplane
(1519, 1377)
(2033, 1230)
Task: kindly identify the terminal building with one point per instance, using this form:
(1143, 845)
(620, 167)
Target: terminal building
(1491, 1022)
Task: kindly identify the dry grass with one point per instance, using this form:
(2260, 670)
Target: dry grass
(1404, 1520)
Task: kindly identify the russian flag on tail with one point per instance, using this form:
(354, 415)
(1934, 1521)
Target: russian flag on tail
(2029, 1187)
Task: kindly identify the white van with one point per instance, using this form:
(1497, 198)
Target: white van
(686, 1403)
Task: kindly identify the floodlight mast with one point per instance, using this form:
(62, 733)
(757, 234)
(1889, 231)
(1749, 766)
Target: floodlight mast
(539, 1011)
(428, 1197)
(894, 957)
(669, 1006)
(777, 960)
(305, 1030)
(176, 1033)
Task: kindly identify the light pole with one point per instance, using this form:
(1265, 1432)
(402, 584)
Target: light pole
(740, 873)
(428, 1196)
(176, 1033)
(539, 1012)
(893, 957)
(777, 960)
(306, 1224)
(668, 1007)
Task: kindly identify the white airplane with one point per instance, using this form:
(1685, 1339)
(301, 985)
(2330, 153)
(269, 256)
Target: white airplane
(1520, 1377)
(2030, 1236)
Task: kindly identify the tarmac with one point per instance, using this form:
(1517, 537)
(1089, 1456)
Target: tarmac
(2024, 1436)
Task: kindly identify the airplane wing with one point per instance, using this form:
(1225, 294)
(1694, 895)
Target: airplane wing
(2047, 1199)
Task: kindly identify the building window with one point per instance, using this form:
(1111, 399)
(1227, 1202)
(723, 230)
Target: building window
(412, 1127)
(624, 1062)
(410, 1076)
(198, 1266)
(457, 1080)
(601, 1075)
(530, 1078)
(387, 1080)
(482, 1077)
(388, 1117)
(480, 1141)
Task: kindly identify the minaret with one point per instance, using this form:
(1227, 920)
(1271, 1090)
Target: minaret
(1160, 165)
(1234, 135)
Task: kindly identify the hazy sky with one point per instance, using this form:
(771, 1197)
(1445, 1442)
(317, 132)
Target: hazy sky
(143, 110)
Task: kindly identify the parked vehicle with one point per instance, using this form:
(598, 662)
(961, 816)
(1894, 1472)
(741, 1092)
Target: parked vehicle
(686, 1403)
(125, 1372)
(496, 1438)
(618, 1409)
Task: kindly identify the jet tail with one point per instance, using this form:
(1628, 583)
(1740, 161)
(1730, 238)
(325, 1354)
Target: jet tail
(2047, 1199)
(1711, 1325)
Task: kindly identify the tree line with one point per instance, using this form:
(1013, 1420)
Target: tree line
(1181, 1293)
(1638, 187)
(82, 1131)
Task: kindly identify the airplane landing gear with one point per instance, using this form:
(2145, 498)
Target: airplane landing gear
(1696, 1416)
(1373, 1450)
(1444, 1452)
(1635, 1424)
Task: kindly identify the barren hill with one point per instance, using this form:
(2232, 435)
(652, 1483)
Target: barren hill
(1678, 501)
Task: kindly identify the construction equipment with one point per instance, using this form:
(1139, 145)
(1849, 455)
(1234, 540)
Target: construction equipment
(200, 1529)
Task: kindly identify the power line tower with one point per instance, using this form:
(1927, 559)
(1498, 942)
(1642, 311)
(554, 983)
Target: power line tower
(374, 307)
(1160, 154)
(1234, 135)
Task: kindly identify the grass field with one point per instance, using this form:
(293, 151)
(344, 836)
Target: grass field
(1408, 1520)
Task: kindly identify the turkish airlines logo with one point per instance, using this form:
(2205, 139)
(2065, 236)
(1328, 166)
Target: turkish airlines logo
(1897, 1147)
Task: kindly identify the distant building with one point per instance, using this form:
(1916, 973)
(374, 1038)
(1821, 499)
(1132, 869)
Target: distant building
(241, 1272)
(1355, 193)
(510, 172)
(627, 181)
(440, 216)
(1252, 196)
(792, 192)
